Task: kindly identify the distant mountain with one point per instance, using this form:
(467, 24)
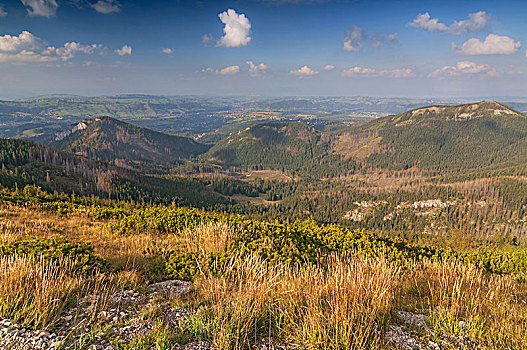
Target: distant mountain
(291, 147)
(24, 162)
(110, 140)
(483, 136)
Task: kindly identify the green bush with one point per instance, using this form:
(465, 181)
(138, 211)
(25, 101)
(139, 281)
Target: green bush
(56, 248)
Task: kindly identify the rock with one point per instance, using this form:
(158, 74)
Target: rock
(171, 288)
(402, 338)
(197, 345)
(175, 315)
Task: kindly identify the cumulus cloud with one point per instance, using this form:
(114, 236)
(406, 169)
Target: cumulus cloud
(207, 70)
(106, 6)
(354, 36)
(256, 69)
(27, 47)
(304, 71)
(476, 22)
(125, 50)
(69, 50)
(3, 13)
(371, 72)
(45, 8)
(393, 36)
(462, 68)
(16, 43)
(329, 67)
(228, 70)
(236, 31)
(492, 45)
(167, 50)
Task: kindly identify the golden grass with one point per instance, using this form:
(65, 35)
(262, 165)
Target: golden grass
(490, 310)
(34, 292)
(214, 237)
(344, 304)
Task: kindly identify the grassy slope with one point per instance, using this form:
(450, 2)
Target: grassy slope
(342, 303)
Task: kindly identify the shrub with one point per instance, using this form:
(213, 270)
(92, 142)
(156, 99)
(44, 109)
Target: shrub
(55, 249)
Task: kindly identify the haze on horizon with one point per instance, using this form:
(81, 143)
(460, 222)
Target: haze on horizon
(263, 48)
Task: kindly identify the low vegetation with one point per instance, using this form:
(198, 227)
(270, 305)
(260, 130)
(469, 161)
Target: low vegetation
(299, 284)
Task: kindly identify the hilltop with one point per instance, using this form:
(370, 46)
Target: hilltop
(110, 140)
(480, 136)
(291, 146)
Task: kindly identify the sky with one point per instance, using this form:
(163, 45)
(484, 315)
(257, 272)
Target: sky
(383, 48)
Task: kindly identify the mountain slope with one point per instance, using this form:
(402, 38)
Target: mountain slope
(292, 147)
(480, 136)
(24, 163)
(124, 144)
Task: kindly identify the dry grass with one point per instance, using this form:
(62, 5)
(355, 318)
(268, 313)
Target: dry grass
(490, 310)
(33, 292)
(214, 237)
(342, 305)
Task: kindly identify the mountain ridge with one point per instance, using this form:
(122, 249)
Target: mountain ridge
(111, 140)
(441, 138)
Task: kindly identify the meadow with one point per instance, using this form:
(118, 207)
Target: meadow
(285, 284)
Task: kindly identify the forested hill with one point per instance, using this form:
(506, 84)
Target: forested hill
(24, 163)
(483, 137)
(291, 147)
(124, 144)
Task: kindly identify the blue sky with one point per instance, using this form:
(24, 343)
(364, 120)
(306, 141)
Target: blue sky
(263, 47)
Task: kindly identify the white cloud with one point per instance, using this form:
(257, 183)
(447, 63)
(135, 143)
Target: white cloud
(464, 67)
(354, 36)
(3, 13)
(256, 69)
(25, 56)
(167, 50)
(228, 70)
(493, 45)
(125, 50)
(45, 8)
(371, 72)
(106, 6)
(397, 73)
(304, 71)
(207, 70)
(476, 22)
(24, 41)
(27, 47)
(393, 36)
(69, 50)
(329, 67)
(237, 29)
(358, 71)
(525, 53)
